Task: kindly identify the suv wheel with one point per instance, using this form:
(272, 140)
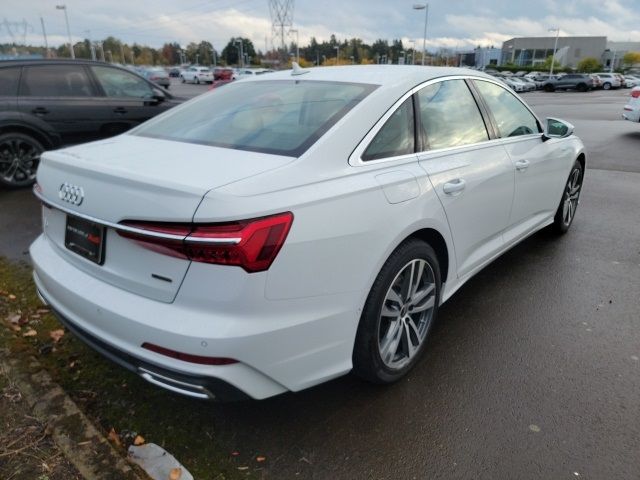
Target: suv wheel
(549, 88)
(19, 159)
(399, 312)
(582, 87)
(606, 86)
(182, 79)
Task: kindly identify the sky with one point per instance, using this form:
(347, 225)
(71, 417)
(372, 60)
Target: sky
(458, 24)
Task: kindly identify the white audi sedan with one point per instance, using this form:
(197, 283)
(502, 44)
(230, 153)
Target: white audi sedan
(632, 108)
(292, 227)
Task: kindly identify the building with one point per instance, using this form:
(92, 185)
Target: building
(487, 57)
(612, 56)
(532, 51)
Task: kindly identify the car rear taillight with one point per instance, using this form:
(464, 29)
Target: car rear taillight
(187, 357)
(250, 244)
(635, 94)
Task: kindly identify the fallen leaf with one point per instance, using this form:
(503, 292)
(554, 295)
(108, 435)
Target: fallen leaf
(16, 328)
(56, 335)
(42, 310)
(260, 459)
(114, 438)
(72, 364)
(235, 454)
(35, 315)
(30, 333)
(11, 296)
(175, 474)
(15, 319)
(139, 440)
(243, 468)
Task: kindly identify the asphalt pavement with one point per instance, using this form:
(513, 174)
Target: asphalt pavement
(532, 371)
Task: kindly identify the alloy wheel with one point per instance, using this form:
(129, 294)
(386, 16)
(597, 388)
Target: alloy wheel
(19, 159)
(406, 314)
(571, 196)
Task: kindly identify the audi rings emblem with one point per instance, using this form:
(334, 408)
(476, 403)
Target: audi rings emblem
(71, 193)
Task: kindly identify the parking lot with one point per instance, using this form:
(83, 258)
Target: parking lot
(531, 372)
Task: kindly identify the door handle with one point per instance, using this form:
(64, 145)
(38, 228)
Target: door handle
(120, 110)
(522, 164)
(454, 186)
(40, 111)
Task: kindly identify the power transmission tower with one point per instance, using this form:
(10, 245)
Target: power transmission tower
(281, 20)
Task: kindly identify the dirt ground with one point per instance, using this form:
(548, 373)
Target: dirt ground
(26, 448)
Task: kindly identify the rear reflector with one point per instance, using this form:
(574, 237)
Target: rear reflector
(635, 93)
(186, 357)
(251, 244)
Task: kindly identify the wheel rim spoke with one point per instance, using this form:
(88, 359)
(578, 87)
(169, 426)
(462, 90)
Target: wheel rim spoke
(406, 313)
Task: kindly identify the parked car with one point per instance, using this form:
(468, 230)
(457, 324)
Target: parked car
(632, 108)
(308, 228)
(222, 73)
(196, 75)
(174, 72)
(219, 83)
(48, 103)
(578, 81)
(528, 83)
(623, 82)
(158, 76)
(513, 84)
(632, 81)
(609, 80)
(248, 72)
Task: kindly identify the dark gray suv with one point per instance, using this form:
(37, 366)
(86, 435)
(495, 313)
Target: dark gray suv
(578, 81)
(45, 104)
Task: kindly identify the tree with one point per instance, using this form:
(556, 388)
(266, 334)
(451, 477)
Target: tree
(631, 58)
(547, 63)
(231, 52)
(589, 65)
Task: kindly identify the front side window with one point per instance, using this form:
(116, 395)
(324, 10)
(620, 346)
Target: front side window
(450, 115)
(396, 137)
(121, 84)
(511, 116)
(283, 117)
(56, 81)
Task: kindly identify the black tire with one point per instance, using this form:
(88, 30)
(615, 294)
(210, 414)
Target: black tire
(573, 188)
(196, 80)
(606, 86)
(367, 359)
(182, 79)
(19, 159)
(549, 88)
(582, 87)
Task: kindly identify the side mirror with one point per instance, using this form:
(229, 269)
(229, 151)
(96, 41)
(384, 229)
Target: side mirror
(555, 128)
(158, 96)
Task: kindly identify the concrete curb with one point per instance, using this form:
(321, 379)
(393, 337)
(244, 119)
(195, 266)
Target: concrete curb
(78, 439)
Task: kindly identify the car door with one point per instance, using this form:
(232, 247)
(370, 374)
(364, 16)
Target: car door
(470, 171)
(64, 97)
(132, 99)
(538, 165)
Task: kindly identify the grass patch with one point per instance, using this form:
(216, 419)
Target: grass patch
(111, 396)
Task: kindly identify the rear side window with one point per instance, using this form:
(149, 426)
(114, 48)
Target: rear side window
(56, 81)
(396, 137)
(283, 117)
(511, 116)
(9, 82)
(450, 115)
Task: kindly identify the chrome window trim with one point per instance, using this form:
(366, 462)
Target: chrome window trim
(137, 231)
(355, 159)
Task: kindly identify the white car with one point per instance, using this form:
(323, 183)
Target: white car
(249, 72)
(514, 83)
(196, 75)
(632, 108)
(609, 80)
(311, 225)
(632, 81)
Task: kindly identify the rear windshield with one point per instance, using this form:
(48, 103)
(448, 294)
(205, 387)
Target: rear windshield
(283, 117)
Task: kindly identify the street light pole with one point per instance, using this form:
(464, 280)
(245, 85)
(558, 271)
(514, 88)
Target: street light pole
(424, 7)
(66, 19)
(555, 47)
(297, 44)
(337, 47)
(44, 33)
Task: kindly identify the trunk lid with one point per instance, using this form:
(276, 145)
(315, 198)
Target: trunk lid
(142, 179)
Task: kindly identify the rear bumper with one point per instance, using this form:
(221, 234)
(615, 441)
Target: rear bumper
(280, 345)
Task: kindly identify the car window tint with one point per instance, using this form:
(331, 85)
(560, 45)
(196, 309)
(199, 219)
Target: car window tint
(9, 82)
(121, 84)
(56, 81)
(450, 116)
(283, 117)
(511, 116)
(396, 137)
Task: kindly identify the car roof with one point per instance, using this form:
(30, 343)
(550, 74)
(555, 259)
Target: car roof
(400, 78)
(53, 61)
